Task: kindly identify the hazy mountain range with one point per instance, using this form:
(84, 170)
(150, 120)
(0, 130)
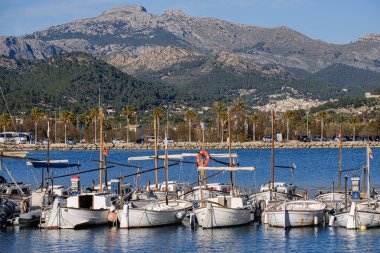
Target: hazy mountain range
(189, 53)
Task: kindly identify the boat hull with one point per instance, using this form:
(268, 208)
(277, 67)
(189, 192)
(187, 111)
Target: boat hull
(154, 214)
(359, 219)
(287, 219)
(70, 218)
(216, 217)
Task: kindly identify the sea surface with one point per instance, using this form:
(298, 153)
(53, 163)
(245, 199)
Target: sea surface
(315, 170)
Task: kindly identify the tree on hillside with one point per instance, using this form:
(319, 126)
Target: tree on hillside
(5, 121)
(219, 108)
(239, 112)
(190, 116)
(254, 119)
(353, 121)
(223, 121)
(94, 115)
(322, 116)
(128, 111)
(288, 116)
(158, 113)
(36, 115)
(68, 117)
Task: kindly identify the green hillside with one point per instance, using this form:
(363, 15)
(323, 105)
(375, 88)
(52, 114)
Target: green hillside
(72, 81)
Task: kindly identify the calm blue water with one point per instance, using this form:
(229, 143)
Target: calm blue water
(316, 168)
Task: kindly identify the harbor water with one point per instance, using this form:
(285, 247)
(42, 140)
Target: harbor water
(315, 170)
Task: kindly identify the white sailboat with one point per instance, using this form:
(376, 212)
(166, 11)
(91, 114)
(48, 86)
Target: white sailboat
(223, 211)
(76, 211)
(153, 214)
(274, 192)
(157, 213)
(334, 199)
(298, 213)
(361, 215)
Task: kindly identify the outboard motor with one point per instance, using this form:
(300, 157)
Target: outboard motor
(2, 180)
(7, 209)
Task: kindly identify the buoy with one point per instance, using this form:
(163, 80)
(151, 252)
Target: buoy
(112, 216)
(192, 221)
(363, 228)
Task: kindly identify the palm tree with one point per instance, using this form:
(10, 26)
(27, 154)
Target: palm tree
(94, 115)
(223, 120)
(254, 119)
(239, 111)
(127, 112)
(36, 115)
(67, 117)
(219, 107)
(189, 116)
(5, 121)
(158, 113)
(353, 121)
(288, 116)
(322, 117)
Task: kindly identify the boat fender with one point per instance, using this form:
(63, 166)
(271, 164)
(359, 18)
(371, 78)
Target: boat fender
(181, 215)
(192, 220)
(332, 221)
(203, 158)
(112, 216)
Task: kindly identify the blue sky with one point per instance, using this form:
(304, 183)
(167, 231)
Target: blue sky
(333, 21)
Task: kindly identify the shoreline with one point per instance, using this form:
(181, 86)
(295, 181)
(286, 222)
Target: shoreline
(191, 145)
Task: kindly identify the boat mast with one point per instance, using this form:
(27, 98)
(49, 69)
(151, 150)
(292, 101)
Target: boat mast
(272, 148)
(48, 156)
(166, 168)
(368, 177)
(203, 149)
(155, 150)
(340, 158)
(101, 115)
(229, 151)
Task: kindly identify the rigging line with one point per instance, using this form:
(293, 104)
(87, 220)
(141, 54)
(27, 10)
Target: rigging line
(354, 169)
(6, 105)
(145, 171)
(173, 160)
(81, 172)
(121, 164)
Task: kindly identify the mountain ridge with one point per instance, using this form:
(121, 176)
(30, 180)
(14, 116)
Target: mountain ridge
(121, 30)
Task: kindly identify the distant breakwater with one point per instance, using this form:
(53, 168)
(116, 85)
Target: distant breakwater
(193, 145)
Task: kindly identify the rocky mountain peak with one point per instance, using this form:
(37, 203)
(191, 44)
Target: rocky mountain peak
(175, 12)
(370, 37)
(123, 10)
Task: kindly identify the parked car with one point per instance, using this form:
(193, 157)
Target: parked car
(170, 140)
(267, 138)
(118, 141)
(336, 138)
(70, 141)
(303, 138)
(140, 140)
(377, 138)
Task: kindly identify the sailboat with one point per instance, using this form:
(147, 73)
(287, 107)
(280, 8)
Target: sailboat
(294, 213)
(360, 215)
(154, 213)
(273, 192)
(332, 198)
(83, 209)
(223, 211)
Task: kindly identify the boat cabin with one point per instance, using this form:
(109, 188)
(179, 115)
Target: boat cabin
(228, 201)
(91, 201)
(14, 190)
(280, 187)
